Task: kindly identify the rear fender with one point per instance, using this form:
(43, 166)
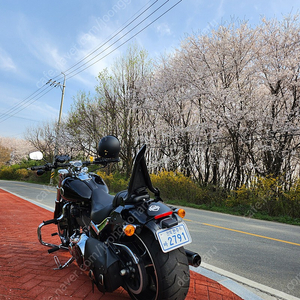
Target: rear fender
(146, 211)
(168, 222)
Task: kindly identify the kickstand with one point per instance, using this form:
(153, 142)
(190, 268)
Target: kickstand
(59, 266)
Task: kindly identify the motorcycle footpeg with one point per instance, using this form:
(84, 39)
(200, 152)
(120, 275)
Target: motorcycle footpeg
(53, 249)
(52, 221)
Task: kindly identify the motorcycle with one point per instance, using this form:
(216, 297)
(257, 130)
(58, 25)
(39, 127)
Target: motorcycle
(129, 239)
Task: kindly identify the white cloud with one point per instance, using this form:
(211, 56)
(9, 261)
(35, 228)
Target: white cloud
(6, 62)
(163, 29)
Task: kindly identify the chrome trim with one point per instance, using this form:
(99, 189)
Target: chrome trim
(63, 171)
(84, 176)
(39, 233)
(63, 214)
(81, 243)
(59, 266)
(94, 226)
(128, 250)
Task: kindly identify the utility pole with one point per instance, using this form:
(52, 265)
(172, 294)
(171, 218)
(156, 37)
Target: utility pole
(62, 87)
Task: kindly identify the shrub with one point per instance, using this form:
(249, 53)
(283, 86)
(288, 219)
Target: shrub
(266, 195)
(22, 174)
(175, 186)
(115, 181)
(7, 173)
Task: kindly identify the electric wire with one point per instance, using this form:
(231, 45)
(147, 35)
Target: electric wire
(24, 106)
(26, 100)
(113, 36)
(31, 99)
(68, 74)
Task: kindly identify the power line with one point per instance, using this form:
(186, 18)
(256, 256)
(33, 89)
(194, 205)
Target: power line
(122, 38)
(126, 40)
(114, 35)
(33, 97)
(26, 100)
(24, 106)
(43, 90)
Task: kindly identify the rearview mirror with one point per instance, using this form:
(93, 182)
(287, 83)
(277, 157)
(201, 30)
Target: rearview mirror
(38, 155)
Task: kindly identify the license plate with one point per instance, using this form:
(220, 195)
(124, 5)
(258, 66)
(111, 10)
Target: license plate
(173, 238)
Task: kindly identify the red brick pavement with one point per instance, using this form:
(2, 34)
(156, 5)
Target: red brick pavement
(26, 268)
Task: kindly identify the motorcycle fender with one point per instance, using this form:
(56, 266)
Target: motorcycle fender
(105, 265)
(155, 225)
(143, 213)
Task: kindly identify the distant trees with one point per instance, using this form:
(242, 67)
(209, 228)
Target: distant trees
(222, 108)
(4, 155)
(13, 150)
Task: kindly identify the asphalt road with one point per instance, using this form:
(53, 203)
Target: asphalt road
(265, 252)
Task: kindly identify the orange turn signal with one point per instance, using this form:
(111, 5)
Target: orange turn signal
(181, 213)
(129, 230)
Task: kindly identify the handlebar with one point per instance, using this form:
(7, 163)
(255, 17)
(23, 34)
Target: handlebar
(48, 167)
(35, 168)
(98, 161)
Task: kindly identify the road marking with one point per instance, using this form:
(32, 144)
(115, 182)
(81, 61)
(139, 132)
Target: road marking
(244, 232)
(252, 234)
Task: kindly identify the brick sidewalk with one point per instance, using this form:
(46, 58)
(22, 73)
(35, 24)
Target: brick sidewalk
(26, 268)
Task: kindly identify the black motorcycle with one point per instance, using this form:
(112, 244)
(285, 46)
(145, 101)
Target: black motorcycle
(128, 240)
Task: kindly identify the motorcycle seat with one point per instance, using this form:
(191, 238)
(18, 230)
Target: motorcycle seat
(102, 205)
(120, 198)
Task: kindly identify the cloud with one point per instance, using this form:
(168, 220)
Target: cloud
(6, 62)
(163, 29)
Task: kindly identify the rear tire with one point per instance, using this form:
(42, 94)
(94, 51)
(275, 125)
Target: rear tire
(168, 276)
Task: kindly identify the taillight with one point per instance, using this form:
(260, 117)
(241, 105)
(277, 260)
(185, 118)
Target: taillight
(163, 215)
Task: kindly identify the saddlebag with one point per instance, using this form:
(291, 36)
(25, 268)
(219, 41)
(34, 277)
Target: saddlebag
(104, 264)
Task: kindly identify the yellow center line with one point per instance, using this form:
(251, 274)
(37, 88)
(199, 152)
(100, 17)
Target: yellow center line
(244, 232)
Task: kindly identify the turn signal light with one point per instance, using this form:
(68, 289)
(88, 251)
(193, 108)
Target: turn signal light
(129, 230)
(181, 213)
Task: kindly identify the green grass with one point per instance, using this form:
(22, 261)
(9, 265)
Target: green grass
(237, 211)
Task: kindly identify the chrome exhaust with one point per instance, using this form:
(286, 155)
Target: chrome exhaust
(194, 259)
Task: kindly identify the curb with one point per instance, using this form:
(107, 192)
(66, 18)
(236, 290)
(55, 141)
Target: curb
(231, 285)
(242, 286)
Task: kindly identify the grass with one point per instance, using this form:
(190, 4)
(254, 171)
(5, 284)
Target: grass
(237, 211)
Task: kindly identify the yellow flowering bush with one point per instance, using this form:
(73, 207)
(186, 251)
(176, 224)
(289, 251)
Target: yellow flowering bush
(22, 174)
(175, 186)
(7, 173)
(266, 194)
(114, 181)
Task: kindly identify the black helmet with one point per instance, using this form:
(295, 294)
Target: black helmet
(109, 147)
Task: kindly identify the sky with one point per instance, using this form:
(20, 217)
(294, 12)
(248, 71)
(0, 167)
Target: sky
(42, 40)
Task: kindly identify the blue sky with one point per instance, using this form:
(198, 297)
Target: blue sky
(41, 39)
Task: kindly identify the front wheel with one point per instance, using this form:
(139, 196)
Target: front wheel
(160, 276)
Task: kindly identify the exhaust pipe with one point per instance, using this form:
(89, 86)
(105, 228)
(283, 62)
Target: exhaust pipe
(194, 259)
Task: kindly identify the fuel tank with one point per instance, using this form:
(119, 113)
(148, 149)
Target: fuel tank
(78, 189)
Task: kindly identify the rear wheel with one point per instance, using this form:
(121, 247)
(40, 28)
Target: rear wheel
(160, 276)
